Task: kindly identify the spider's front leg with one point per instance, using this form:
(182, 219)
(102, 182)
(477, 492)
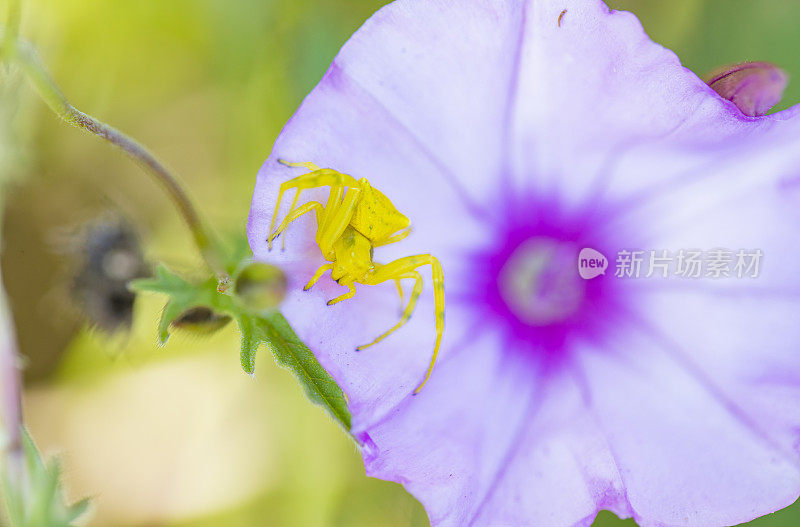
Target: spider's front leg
(337, 219)
(308, 164)
(313, 168)
(293, 215)
(324, 177)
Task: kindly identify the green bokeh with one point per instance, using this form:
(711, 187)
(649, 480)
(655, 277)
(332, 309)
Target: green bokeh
(208, 84)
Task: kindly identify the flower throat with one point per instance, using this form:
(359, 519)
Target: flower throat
(539, 282)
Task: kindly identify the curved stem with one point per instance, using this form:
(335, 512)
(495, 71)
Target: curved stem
(55, 99)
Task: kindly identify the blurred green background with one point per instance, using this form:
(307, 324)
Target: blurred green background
(180, 436)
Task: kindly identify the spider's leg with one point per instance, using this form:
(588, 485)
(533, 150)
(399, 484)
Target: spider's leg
(317, 276)
(438, 295)
(337, 220)
(319, 178)
(306, 207)
(399, 285)
(334, 202)
(397, 282)
(404, 266)
(394, 238)
(291, 209)
(408, 311)
(349, 294)
(308, 165)
(275, 216)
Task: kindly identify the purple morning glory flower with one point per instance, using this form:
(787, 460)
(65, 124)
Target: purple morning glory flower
(513, 134)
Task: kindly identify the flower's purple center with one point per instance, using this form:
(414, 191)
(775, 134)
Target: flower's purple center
(530, 289)
(539, 283)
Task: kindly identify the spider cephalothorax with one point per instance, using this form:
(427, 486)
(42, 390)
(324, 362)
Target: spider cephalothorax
(349, 227)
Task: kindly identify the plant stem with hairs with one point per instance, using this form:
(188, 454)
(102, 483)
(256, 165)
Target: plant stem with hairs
(17, 51)
(55, 99)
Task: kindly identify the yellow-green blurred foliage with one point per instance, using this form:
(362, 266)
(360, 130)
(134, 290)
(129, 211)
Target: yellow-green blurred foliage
(180, 436)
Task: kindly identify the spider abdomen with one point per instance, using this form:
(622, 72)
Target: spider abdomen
(375, 216)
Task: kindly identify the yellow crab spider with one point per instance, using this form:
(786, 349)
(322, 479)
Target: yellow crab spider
(356, 219)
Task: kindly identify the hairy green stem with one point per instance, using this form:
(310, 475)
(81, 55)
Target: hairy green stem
(47, 89)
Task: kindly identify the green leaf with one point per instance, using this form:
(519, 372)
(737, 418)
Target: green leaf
(39, 503)
(290, 352)
(257, 327)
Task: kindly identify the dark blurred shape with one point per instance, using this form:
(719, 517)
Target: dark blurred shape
(109, 257)
(261, 286)
(754, 87)
(201, 320)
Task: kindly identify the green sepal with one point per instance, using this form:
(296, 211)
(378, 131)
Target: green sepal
(183, 295)
(252, 336)
(257, 327)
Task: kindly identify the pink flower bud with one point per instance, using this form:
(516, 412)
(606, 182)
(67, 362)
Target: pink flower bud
(754, 87)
